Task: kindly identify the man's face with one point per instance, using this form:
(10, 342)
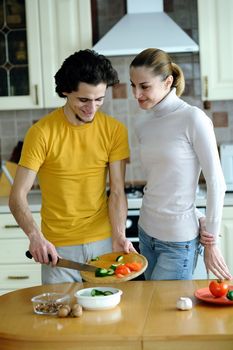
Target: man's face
(84, 102)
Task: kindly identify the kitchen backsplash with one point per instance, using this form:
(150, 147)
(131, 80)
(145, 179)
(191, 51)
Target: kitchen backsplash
(120, 103)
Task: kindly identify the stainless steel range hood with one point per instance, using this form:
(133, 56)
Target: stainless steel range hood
(145, 25)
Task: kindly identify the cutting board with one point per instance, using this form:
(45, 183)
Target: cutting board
(106, 260)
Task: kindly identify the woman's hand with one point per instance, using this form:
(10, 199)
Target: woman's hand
(215, 263)
(206, 238)
(213, 258)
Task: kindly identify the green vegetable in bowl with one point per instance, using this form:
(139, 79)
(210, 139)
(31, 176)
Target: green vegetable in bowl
(97, 292)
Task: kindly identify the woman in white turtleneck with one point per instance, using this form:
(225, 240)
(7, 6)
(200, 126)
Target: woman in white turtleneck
(176, 143)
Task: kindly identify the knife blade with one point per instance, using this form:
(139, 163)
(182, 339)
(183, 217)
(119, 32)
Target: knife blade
(69, 264)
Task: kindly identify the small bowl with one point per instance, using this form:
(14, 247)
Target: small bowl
(98, 302)
(49, 303)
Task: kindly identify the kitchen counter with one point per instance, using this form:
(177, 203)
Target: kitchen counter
(146, 319)
(34, 199)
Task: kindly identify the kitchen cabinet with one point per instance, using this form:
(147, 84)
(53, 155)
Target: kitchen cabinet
(54, 30)
(16, 271)
(227, 236)
(216, 48)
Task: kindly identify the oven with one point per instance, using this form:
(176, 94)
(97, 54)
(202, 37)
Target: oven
(132, 227)
(134, 197)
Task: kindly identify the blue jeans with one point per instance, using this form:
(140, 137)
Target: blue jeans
(168, 260)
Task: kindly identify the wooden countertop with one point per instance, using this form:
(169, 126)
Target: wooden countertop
(146, 319)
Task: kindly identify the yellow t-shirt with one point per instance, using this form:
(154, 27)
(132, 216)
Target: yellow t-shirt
(72, 164)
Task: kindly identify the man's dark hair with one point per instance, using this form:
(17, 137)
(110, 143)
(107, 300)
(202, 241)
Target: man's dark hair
(85, 66)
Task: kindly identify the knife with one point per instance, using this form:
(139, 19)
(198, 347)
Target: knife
(69, 264)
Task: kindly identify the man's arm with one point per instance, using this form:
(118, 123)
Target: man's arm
(18, 203)
(117, 205)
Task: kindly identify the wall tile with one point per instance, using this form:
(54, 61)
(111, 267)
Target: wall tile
(119, 91)
(24, 114)
(220, 119)
(8, 128)
(22, 128)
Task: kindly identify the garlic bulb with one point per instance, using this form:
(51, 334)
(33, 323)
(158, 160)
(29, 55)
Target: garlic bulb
(184, 303)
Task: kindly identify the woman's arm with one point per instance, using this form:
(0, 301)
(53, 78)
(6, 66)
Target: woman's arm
(205, 147)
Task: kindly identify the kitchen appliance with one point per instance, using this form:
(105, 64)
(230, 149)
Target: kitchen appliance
(134, 194)
(226, 156)
(145, 25)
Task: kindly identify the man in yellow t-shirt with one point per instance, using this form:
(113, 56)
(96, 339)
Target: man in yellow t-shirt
(72, 150)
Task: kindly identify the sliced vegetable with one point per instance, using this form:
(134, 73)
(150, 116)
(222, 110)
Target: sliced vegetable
(122, 270)
(95, 259)
(108, 292)
(97, 292)
(100, 272)
(119, 258)
(110, 272)
(114, 266)
(134, 266)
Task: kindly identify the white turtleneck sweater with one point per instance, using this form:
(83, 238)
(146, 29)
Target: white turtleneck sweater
(176, 143)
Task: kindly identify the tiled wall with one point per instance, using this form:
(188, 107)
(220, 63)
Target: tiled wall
(120, 103)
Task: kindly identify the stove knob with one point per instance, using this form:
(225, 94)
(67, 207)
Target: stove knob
(129, 223)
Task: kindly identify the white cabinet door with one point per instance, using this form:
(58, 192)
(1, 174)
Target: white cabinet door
(227, 236)
(65, 28)
(216, 48)
(34, 99)
(55, 29)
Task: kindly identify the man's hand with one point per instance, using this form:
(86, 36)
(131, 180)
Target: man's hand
(123, 245)
(41, 248)
(215, 263)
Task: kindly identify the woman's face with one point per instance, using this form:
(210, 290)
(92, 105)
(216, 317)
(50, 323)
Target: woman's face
(147, 88)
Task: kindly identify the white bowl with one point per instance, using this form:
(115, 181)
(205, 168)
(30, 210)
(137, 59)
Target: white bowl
(98, 302)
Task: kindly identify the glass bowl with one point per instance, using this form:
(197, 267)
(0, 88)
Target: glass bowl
(49, 303)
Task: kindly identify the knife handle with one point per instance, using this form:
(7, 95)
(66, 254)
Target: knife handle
(29, 255)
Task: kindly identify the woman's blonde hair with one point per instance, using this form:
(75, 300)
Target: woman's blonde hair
(161, 64)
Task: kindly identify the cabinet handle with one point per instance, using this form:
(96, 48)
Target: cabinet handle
(36, 94)
(206, 92)
(18, 277)
(11, 226)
